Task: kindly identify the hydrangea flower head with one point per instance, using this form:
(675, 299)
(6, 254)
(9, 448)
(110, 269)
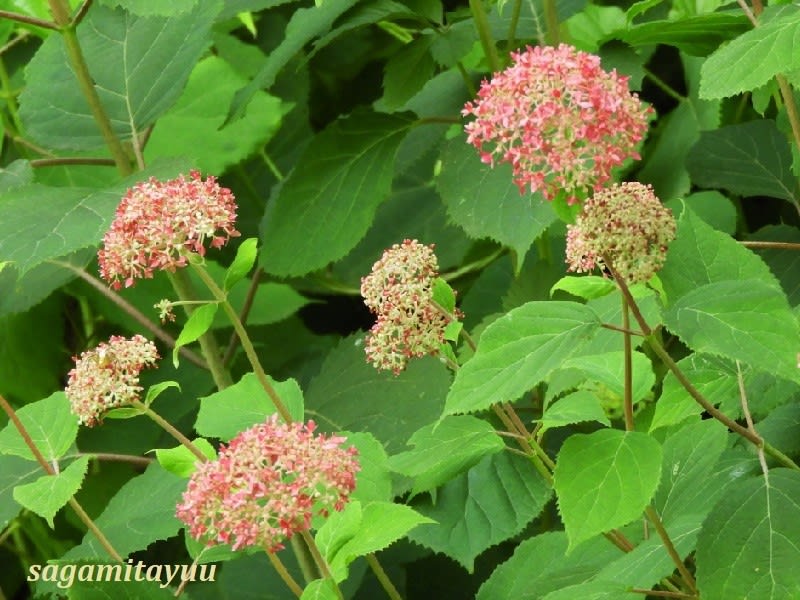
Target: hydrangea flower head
(626, 225)
(158, 223)
(266, 485)
(399, 290)
(108, 376)
(558, 119)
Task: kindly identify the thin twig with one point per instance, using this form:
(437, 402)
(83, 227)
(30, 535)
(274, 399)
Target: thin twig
(12, 16)
(82, 10)
(82, 515)
(245, 312)
(71, 160)
(670, 547)
(749, 419)
(772, 245)
(133, 312)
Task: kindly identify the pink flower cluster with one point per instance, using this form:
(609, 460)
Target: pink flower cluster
(108, 376)
(158, 223)
(559, 119)
(626, 225)
(266, 485)
(399, 290)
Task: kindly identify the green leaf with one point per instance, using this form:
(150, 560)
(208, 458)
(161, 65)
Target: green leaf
(14, 471)
(784, 263)
(691, 455)
(444, 295)
(154, 391)
(609, 368)
(381, 524)
(577, 407)
(180, 460)
(349, 394)
(373, 480)
(224, 414)
(745, 320)
(748, 545)
(193, 126)
(141, 512)
(139, 66)
(198, 323)
(488, 504)
(147, 8)
(407, 71)
(518, 351)
(485, 202)
(604, 480)
(586, 286)
(50, 424)
(48, 494)
(747, 159)
(330, 197)
(711, 376)
(16, 174)
(696, 35)
(443, 450)
(131, 590)
(320, 589)
(62, 220)
(541, 565)
(246, 255)
(712, 207)
(304, 26)
(701, 255)
(752, 58)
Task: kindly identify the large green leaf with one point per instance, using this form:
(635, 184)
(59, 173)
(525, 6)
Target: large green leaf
(783, 262)
(754, 57)
(747, 159)
(407, 71)
(48, 494)
(697, 35)
(42, 223)
(304, 26)
(50, 424)
(604, 480)
(518, 351)
(226, 413)
(349, 394)
(374, 479)
(541, 565)
(14, 471)
(139, 66)
(485, 202)
(690, 482)
(748, 547)
(609, 368)
(443, 450)
(488, 504)
(746, 320)
(577, 407)
(193, 126)
(364, 531)
(141, 512)
(701, 255)
(330, 198)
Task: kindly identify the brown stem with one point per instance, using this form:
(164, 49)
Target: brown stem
(384, 580)
(773, 245)
(71, 160)
(661, 593)
(170, 429)
(628, 352)
(60, 10)
(82, 10)
(673, 553)
(284, 574)
(129, 458)
(12, 16)
(246, 307)
(85, 518)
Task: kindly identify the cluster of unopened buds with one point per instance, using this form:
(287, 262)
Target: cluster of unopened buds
(399, 291)
(107, 377)
(267, 484)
